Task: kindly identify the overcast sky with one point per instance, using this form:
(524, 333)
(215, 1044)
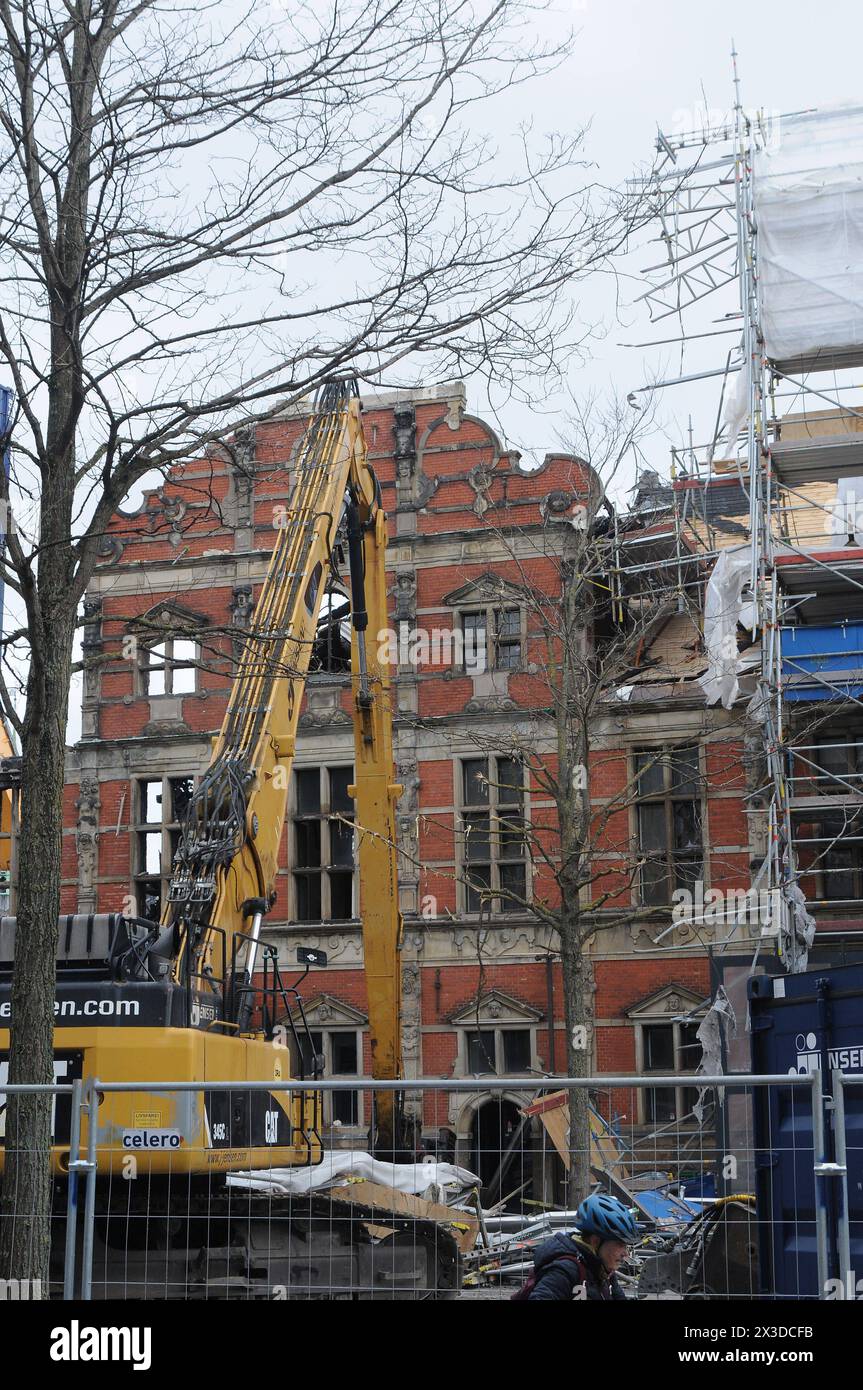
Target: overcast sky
(635, 67)
(638, 66)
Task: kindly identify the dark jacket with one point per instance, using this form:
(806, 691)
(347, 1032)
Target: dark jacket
(558, 1279)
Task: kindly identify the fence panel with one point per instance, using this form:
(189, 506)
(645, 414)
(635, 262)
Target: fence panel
(739, 1186)
(17, 1207)
(492, 1170)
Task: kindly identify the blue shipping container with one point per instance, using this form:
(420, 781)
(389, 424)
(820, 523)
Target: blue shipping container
(800, 1023)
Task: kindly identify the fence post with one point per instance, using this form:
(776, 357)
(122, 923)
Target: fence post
(90, 1195)
(72, 1193)
(825, 1169)
(819, 1159)
(848, 1282)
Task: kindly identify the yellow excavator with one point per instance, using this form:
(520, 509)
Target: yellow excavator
(200, 997)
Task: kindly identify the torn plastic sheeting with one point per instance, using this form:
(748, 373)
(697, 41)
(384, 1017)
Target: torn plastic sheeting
(848, 510)
(797, 930)
(709, 1034)
(808, 194)
(723, 610)
(342, 1165)
(736, 410)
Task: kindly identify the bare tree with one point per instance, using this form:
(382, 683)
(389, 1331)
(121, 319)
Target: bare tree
(203, 215)
(589, 630)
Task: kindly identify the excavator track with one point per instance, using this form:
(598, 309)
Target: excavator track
(236, 1244)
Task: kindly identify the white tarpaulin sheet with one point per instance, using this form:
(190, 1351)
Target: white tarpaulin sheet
(341, 1165)
(808, 193)
(723, 610)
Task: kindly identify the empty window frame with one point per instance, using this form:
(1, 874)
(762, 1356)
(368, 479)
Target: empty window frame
(671, 1049)
(829, 845)
(342, 1050)
(323, 844)
(494, 868)
(160, 806)
(492, 640)
(498, 1051)
(169, 667)
(669, 821)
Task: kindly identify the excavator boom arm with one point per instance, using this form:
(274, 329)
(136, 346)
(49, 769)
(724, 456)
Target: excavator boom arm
(224, 875)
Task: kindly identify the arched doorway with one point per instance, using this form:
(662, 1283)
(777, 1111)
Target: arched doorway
(501, 1152)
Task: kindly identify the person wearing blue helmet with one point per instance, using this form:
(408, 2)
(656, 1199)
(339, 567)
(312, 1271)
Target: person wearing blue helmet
(584, 1263)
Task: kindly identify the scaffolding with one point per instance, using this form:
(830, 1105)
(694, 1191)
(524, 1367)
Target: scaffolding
(788, 436)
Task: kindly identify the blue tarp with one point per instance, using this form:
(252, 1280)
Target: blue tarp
(830, 655)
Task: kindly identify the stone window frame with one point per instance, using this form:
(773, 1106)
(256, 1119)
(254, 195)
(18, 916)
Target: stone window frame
(497, 1014)
(333, 1100)
(462, 808)
(328, 1016)
(666, 1009)
(168, 831)
(492, 609)
(326, 867)
(829, 815)
(498, 1031)
(168, 665)
(660, 752)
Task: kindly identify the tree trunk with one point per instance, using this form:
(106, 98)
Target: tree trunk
(576, 974)
(25, 1230)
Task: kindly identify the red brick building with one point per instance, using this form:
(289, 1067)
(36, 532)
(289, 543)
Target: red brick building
(165, 613)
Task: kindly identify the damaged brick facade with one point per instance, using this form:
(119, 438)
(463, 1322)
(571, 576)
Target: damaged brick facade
(182, 574)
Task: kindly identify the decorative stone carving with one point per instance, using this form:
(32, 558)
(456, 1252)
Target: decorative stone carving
(407, 844)
(495, 942)
(493, 1008)
(241, 614)
(411, 1019)
(486, 588)
(92, 634)
(405, 451)
(91, 646)
(344, 947)
(110, 548)
(324, 708)
(454, 412)
(408, 777)
(405, 591)
(87, 842)
(164, 728)
(328, 1009)
(490, 704)
(425, 488)
(480, 479)
(168, 511)
(243, 479)
(556, 503)
(241, 605)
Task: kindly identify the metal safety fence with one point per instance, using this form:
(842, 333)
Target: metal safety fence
(741, 1187)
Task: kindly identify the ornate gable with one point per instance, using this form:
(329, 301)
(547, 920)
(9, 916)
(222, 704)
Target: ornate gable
(669, 1002)
(167, 618)
(488, 588)
(325, 1011)
(495, 1008)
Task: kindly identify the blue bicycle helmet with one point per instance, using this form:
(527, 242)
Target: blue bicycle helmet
(604, 1216)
